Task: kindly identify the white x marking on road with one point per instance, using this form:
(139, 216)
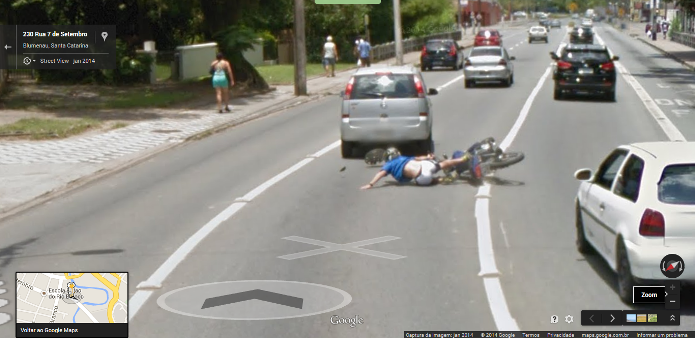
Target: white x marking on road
(332, 247)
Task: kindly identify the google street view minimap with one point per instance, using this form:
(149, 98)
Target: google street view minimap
(77, 298)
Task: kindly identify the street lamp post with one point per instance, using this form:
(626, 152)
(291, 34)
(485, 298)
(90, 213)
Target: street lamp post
(397, 31)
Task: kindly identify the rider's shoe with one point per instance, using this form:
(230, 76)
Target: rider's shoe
(476, 168)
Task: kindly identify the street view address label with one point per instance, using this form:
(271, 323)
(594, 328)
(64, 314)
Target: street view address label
(72, 304)
(254, 300)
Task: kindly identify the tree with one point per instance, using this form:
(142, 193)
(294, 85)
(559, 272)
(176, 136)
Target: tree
(426, 17)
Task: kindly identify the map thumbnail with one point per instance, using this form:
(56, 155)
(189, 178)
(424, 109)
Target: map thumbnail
(72, 297)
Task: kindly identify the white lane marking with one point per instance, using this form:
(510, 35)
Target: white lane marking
(524, 112)
(662, 120)
(503, 318)
(510, 48)
(141, 296)
(449, 83)
(488, 267)
(486, 254)
(504, 235)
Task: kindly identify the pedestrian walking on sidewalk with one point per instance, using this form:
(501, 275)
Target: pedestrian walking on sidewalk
(222, 79)
(330, 56)
(664, 28)
(356, 51)
(365, 49)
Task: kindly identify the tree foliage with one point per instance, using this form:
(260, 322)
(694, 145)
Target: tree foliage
(426, 17)
(234, 24)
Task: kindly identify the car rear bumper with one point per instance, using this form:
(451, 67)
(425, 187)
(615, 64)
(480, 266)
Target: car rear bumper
(645, 262)
(433, 61)
(489, 75)
(377, 133)
(588, 87)
(538, 37)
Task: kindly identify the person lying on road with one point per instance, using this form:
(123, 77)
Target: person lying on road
(421, 169)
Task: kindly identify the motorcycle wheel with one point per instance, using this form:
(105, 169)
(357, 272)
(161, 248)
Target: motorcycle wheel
(506, 159)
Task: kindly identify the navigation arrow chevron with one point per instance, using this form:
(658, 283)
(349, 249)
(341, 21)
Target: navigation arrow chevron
(266, 296)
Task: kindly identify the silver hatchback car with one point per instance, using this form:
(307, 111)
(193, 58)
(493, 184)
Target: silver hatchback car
(488, 63)
(386, 105)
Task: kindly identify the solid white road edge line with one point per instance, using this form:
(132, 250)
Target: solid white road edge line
(155, 281)
(488, 267)
(449, 83)
(662, 119)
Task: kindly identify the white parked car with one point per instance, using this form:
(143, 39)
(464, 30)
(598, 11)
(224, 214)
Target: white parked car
(637, 208)
(587, 22)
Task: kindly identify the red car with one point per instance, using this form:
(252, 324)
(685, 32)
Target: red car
(488, 37)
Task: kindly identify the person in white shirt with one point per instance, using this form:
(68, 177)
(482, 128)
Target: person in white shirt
(330, 56)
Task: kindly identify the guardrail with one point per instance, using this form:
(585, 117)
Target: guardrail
(683, 38)
(388, 50)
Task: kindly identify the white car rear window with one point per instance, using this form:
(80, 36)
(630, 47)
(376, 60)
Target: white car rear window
(537, 30)
(380, 86)
(677, 184)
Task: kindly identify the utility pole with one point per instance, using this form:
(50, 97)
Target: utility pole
(458, 17)
(299, 49)
(398, 31)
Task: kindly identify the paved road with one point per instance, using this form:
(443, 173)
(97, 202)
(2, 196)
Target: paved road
(135, 220)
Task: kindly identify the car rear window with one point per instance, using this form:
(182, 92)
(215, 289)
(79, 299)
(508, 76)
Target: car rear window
(537, 30)
(486, 52)
(488, 33)
(437, 45)
(677, 184)
(584, 56)
(375, 86)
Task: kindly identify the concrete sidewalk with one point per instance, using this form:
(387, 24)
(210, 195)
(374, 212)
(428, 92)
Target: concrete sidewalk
(675, 50)
(31, 172)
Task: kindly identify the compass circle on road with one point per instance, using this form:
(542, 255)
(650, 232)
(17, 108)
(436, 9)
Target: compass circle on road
(672, 266)
(254, 300)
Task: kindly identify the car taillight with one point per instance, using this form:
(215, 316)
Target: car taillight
(608, 66)
(424, 51)
(503, 62)
(418, 86)
(652, 224)
(348, 88)
(564, 65)
(452, 50)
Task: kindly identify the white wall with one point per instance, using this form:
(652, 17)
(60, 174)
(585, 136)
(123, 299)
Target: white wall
(195, 60)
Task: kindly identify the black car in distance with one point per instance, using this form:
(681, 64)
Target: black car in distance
(582, 34)
(584, 69)
(441, 53)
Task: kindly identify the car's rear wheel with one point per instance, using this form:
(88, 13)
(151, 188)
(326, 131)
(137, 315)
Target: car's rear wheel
(557, 94)
(469, 83)
(507, 82)
(512, 78)
(546, 40)
(583, 246)
(610, 96)
(426, 146)
(346, 149)
(625, 279)
(530, 41)
(423, 68)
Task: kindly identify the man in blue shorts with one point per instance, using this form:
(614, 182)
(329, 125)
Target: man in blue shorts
(421, 169)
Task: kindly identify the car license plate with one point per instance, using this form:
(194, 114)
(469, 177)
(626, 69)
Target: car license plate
(586, 71)
(438, 63)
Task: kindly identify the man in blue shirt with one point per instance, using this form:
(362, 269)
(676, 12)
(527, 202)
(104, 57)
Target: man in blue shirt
(364, 48)
(421, 169)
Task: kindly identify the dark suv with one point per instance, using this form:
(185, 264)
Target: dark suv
(584, 68)
(582, 34)
(441, 53)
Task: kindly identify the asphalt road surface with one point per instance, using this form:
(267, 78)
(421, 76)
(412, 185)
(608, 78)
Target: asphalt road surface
(430, 267)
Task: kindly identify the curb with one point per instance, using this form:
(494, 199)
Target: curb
(684, 63)
(85, 181)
